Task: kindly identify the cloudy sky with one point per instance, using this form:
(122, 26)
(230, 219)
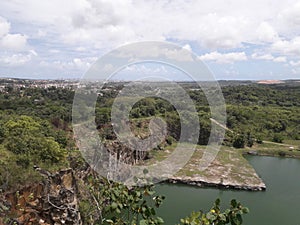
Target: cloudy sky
(242, 39)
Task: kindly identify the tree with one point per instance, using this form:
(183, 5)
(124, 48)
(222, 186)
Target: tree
(277, 138)
(239, 141)
(26, 137)
(250, 140)
(259, 140)
(204, 133)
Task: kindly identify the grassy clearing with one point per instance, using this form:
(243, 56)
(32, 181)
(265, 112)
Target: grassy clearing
(292, 142)
(229, 167)
(291, 148)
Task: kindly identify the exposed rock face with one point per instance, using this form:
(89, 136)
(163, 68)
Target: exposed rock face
(252, 153)
(203, 183)
(54, 201)
(125, 154)
(228, 170)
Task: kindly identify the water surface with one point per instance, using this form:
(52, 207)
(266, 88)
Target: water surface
(278, 205)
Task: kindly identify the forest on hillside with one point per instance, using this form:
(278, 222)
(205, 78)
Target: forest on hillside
(40, 118)
(36, 126)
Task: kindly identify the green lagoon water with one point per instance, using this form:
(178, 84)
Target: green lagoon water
(278, 205)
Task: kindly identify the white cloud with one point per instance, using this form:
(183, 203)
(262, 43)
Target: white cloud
(280, 59)
(41, 33)
(264, 56)
(287, 47)
(108, 67)
(55, 51)
(104, 24)
(224, 57)
(147, 50)
(80, 49)
(4, 27)
(266, 33)
(15, 59)
(288, 19)
(187, 47)
(84, 28)
(143, 70)
(294, 63)
(222, 31)
(79, 64)
(178, 55)
(268, 57)
(14, 42)
(14, 49)
(33, 52)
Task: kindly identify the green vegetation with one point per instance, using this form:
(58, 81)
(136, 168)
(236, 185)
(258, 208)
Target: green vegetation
(26, 142)
(232, 216)
(116, 204)
(35, 122)
(29, 140)
(254, 112)
(35, 129)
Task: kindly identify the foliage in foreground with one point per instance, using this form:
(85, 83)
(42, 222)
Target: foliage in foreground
(215, 216)
(117, 204)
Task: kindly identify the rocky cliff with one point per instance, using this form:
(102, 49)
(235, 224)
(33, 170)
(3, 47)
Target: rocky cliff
(53, 201)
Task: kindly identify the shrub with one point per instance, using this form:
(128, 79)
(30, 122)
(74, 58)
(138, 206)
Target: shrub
(277, 138)
(239, 141)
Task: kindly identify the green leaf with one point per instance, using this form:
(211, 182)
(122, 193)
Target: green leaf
(211, 216)
(153, 211)
(160, 220)
(245, 210)
(143, 222)
(233, 203)
(239, 219)
(114, 205)
(222, 217)
(217, 202)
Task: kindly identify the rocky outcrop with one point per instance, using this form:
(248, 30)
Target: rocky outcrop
(53, 201)
(252, 152)
(229, 170)
(196, 181)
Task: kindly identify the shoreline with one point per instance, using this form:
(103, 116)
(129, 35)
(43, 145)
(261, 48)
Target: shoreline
(196, 181)
(204, 184)
(270, 153)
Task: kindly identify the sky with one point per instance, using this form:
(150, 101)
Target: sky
(61, 39)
